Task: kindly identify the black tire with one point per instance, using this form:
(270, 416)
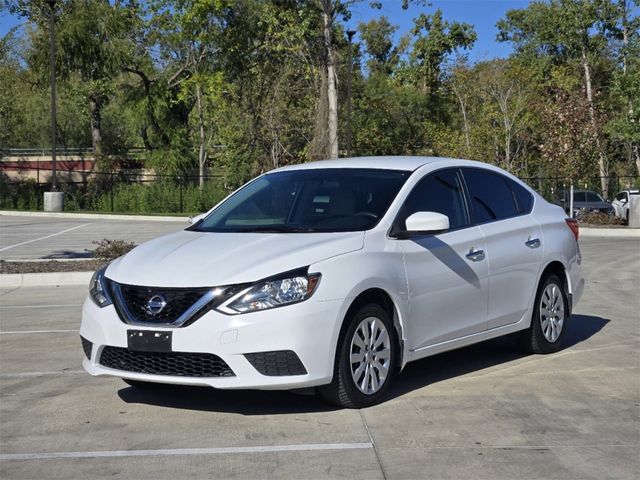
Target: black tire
(342, 390)
(143, 385)
(533, 339)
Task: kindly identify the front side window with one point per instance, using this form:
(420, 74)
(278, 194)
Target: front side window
(491, 197)
(314, 200)
(439, 192)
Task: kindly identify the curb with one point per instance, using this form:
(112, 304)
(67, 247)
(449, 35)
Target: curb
(610, 232)
(95, 216)
(13, 280)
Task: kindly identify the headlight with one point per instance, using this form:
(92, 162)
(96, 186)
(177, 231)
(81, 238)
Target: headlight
(277, 292)
(98, 290)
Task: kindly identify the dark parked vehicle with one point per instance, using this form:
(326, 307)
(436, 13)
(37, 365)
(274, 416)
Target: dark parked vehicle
(586, 201)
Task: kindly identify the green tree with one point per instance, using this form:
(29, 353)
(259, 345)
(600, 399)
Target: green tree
(567, 31)
(433, 39)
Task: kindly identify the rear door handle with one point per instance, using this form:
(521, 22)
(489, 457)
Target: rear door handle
(533, 242)
(475, 255)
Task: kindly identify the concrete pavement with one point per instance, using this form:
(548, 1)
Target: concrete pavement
(483, 412)
(63, 237)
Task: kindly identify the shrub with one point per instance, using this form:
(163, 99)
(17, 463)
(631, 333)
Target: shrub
(597, 218)
(107, 250)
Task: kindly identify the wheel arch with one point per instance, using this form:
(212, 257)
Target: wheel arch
(556, 267)
(381, 297)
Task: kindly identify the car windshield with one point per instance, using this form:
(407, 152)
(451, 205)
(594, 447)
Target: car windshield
(593, 197)
(586, 196)
(315, 200)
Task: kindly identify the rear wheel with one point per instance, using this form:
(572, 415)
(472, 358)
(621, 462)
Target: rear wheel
(549, 319)
(365, 361)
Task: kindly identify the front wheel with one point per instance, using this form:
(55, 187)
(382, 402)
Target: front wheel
(549, 321)
(365, 360)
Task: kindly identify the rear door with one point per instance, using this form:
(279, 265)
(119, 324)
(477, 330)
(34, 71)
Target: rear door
(501, 208)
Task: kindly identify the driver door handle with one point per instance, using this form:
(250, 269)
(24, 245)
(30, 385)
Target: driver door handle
(475, 255)
(533, 242)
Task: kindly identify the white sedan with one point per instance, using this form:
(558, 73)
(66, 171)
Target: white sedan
(335, 275)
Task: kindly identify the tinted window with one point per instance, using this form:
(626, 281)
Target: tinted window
(593, 197)
(439, 192)
(320, 200)
(621, 196)
(579, 196)
(524, 199)
(491, 197)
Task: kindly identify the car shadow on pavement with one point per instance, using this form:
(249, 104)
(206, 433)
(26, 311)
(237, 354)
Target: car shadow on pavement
(416, 375)
(474, 358)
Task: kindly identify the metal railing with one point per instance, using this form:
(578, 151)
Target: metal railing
(63, 151)
(127, 190)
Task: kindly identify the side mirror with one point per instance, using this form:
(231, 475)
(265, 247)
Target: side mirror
(623, 201)
(195, 219)
(427, 222)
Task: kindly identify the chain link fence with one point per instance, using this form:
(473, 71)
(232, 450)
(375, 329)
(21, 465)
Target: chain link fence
(141, 192)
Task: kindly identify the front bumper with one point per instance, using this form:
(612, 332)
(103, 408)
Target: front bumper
(310, 329)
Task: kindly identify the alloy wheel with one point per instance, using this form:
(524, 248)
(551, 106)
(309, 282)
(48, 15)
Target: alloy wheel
(551, 312)
(370, 355)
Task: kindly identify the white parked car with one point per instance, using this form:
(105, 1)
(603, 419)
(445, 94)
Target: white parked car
(621, 203)
(334, 275)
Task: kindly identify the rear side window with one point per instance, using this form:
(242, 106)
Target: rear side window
(491, 197)
(524, 199)
(439, 192)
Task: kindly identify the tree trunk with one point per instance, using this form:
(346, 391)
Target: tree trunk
(202, 152)
(625, 44)
(332, 94)
(602, 166)
(465, 123)
(625, 35)
(96, 128)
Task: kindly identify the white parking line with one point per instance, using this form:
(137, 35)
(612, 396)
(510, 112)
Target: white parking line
(17, 307)
(40, 374)
(188, 451)
(45, 237)
(30, 332)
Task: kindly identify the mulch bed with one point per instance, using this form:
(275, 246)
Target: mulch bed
(50, 266)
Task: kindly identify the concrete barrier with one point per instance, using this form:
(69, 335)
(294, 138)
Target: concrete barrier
(634, 211)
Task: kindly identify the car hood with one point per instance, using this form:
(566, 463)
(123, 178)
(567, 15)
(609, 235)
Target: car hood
(189, 259)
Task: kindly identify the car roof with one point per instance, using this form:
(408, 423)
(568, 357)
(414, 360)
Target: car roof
(406, 163)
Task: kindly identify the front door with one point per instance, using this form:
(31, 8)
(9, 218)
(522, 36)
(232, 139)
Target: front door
(447, 273)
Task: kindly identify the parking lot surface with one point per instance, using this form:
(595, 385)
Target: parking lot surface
(30, 238)
(483, 412)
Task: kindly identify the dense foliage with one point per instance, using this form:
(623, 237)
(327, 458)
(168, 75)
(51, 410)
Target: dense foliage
(235, 87)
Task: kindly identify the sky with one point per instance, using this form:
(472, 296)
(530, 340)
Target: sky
(483, 14)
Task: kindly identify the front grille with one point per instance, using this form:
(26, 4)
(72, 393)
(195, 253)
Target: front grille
(178, 301)
(86, 346)
(276, 364)
(179, 364)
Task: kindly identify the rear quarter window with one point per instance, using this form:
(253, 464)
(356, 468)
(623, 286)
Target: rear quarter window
(524, 198)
